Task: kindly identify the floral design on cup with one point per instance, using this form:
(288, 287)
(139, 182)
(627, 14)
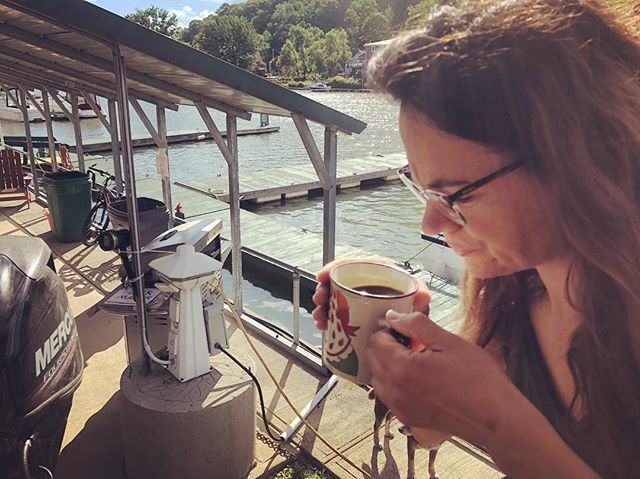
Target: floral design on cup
(338, 348)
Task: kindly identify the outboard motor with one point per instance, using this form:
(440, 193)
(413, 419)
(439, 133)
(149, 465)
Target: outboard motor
(40, 359)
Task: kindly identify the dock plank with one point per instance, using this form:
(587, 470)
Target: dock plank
(270, 185)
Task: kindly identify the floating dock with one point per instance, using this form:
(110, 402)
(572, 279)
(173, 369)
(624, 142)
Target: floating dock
(292, 246)
(300, 181)
(184, 137)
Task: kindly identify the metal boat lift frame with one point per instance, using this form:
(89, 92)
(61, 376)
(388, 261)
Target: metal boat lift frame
(76, 47)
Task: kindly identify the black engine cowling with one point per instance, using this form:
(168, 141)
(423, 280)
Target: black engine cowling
(40, 358)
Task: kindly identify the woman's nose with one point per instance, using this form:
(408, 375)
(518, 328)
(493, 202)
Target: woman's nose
(435, 221)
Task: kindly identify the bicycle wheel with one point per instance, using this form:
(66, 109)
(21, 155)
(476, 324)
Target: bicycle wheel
(95, 223)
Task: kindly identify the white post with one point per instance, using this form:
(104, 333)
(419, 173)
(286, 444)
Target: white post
(163, 161)
(77, 131)
(234, 203)
(132, 199)
(47, 119)
(27, 133)
(115, 146)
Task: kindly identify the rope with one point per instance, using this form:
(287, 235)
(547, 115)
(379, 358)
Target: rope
(284, 394)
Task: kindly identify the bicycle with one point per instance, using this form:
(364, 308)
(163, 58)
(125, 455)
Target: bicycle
(97, 220)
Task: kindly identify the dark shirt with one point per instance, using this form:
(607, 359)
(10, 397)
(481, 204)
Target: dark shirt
(528, 370)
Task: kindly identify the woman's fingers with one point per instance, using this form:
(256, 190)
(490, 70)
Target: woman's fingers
(419, 327)
(321, 296)
(422, 299)
(320, 316)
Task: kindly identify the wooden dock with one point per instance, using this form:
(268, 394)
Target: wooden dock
(183, 137)
(293, 246)
(300, 181)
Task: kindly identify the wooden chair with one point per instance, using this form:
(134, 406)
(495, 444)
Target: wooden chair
(13, 181)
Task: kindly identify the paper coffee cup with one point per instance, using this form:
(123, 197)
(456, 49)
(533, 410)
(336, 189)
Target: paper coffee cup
(361, 294)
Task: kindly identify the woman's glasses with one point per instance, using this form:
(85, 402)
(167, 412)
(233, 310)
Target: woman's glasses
(446, 204)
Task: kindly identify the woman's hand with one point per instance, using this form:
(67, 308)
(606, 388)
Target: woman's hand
(455, 386)
(322, 295)
(451, 385)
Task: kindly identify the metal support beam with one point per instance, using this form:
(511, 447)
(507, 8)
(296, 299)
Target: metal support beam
(7, 92)
(145, 119)
(102, 64)
(97, 110)
(115, 145)
(27, 133)
(47, 119)
(46, 78)
(329, 210)
(33, 102)
(56, 98)
(304, 412)
(82, 79)
(234, 204)
(77, 131)
(215, 133)
(132, 203)
(159, 136)
(66, 82)
(162, 161)
(229, 151)
(312, 149)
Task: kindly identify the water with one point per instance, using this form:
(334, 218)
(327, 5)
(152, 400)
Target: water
(384, 221)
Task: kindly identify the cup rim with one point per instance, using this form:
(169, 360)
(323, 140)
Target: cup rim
(414, 290)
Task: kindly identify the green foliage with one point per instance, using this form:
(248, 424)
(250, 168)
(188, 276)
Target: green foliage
(308, 52)
(421, 8)
(157, 19)
(230, 38)
(297, 84)
(344, 83)
(288, 61)
(300, 38)
(366, 23)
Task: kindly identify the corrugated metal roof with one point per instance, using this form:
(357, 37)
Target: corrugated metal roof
(68, 45)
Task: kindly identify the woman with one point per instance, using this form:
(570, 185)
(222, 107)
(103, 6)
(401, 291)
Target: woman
(521, 122)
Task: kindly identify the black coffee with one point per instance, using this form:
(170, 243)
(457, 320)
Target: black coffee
(379, 290)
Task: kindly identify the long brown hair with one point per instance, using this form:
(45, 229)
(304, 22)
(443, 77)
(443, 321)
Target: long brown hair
(555, 83)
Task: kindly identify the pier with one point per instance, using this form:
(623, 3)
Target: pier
(299, 181)
(292, 246)
(182, 137)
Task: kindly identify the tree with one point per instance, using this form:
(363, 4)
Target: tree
(231, 38)
(230, 9)
(156, 19)
(366, 23)
(285, 15)
(421, 8)
(188, 34)
(331, 53)
(288, 61)
(307, 41)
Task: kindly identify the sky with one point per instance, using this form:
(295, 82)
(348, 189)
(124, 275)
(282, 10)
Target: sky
(185, 10)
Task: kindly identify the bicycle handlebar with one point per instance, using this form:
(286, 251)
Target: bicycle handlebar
(101, 172)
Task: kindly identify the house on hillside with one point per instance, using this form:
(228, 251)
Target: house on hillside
(355, 64)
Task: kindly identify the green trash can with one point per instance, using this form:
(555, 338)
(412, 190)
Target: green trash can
(69, 198)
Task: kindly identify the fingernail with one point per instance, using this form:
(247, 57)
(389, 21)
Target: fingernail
(392, 315)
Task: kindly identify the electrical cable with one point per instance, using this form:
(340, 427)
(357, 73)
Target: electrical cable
(284, 394)
(255, 380)
(26, 448)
